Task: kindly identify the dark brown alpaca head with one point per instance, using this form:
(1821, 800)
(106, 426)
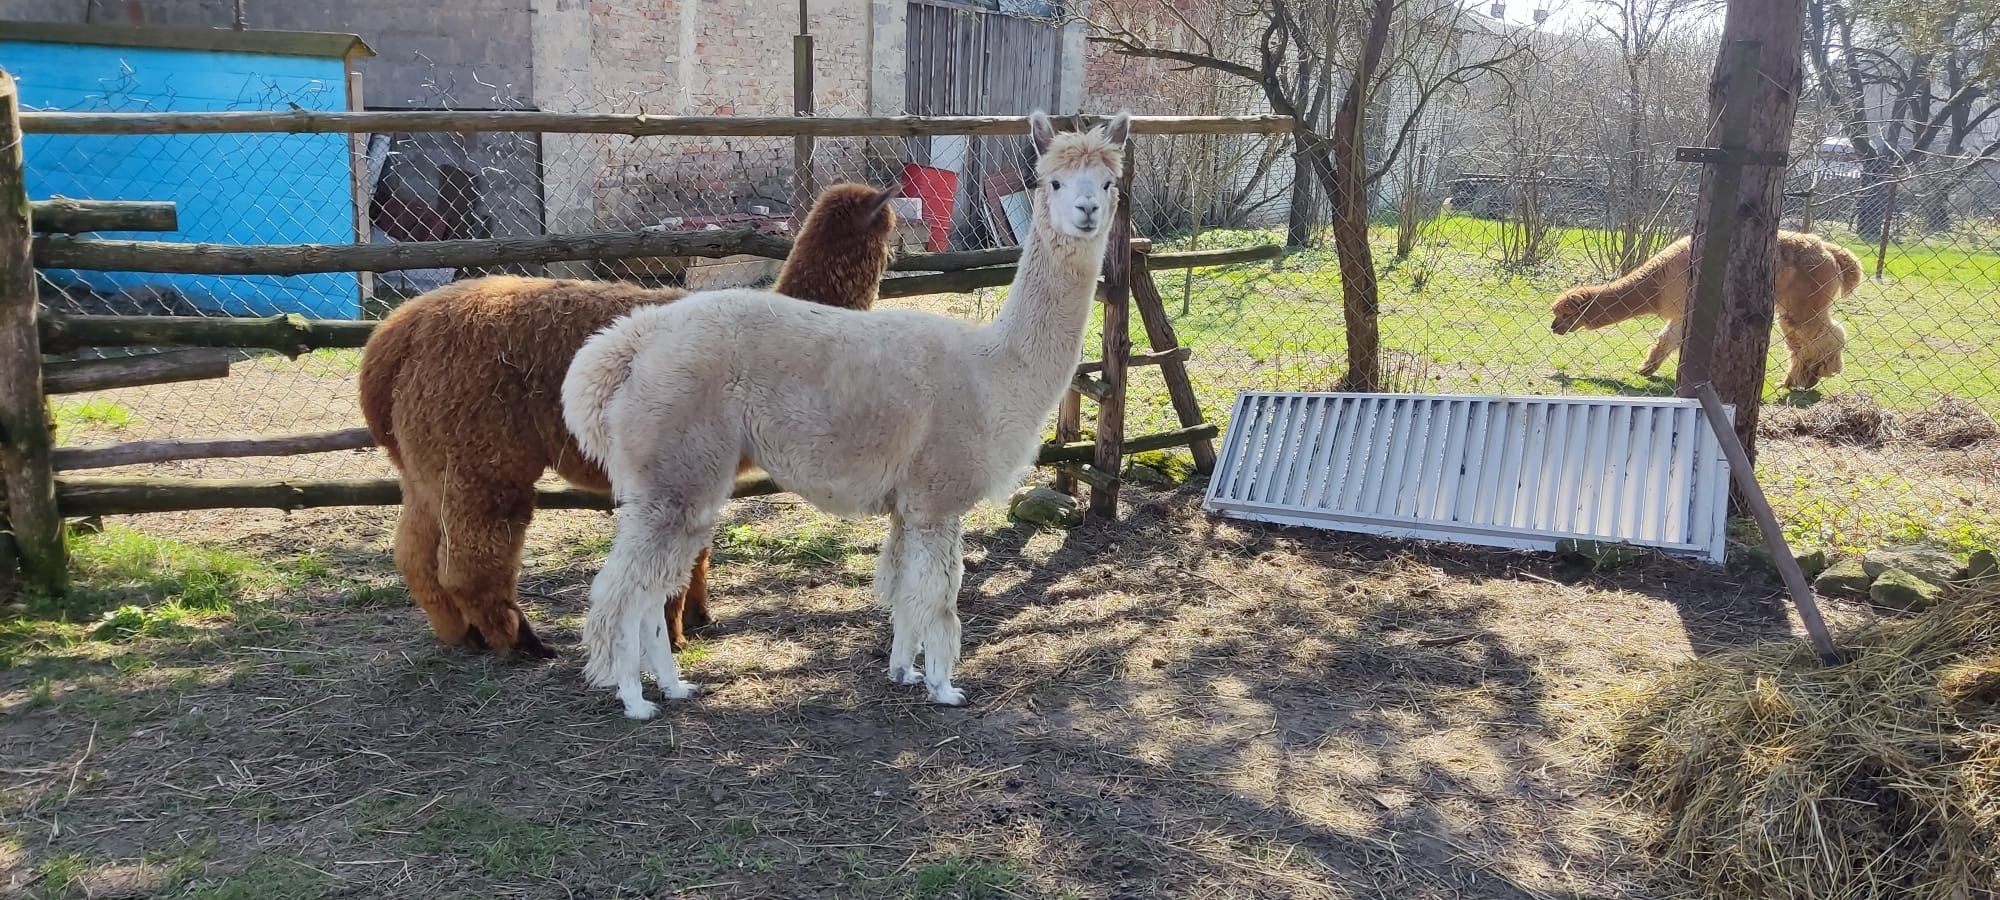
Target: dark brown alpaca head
(842, 248)
(1576, 309)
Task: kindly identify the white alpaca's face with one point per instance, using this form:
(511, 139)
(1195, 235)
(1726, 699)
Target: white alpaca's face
(1081, 200)
(1080, 197)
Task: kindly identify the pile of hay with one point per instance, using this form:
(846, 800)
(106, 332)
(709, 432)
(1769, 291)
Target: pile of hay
(1857, 419)
(1879, 778)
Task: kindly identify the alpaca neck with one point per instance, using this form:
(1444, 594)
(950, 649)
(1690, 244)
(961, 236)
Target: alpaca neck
(1033, 344)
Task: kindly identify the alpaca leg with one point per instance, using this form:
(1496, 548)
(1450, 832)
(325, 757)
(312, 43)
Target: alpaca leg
(624, 634)
(689, 609)
(1816, 345)
(888, 580)
(925, 606)
(1664, 345)
(485, 524)
(417, 559)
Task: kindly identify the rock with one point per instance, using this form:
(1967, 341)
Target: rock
(1811, 562)
(1897, 589)
(1175, 467)
(1845, 578)
(1141, 474)
(1926, 561)
(1599, 554)
(1045, 506)
(1982, 565)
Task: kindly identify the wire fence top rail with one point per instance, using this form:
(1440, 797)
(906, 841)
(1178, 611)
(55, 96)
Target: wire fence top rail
(408, 121)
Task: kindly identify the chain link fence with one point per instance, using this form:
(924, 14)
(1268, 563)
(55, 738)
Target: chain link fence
(1486, 215)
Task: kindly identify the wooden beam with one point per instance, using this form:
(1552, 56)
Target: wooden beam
(105, 456)
(315, 122)
(304, 259)
(1137, 360)
(62, 215)
(1172, 359)
(287, 334)
(118, 495)
(1090, 387)
(25, 464)
(132, 371)
(1198, 259)
(1116, 335)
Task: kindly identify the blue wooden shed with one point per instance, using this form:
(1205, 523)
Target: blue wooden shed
(231, 188)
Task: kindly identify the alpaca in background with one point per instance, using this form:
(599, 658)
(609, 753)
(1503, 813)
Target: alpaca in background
(461, 387)
(1812, 274)
(899, 412)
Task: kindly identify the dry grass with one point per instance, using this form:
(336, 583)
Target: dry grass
(1878, 778)
(1857, 419)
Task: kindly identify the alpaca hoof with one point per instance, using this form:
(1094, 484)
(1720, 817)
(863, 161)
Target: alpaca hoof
(691, 618)
(902, 675)
(641, 710)
(680, 690)
(678, 644)
(946, 695)
(530, 645)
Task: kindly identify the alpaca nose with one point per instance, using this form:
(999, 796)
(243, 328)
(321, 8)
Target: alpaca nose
(1088, 208)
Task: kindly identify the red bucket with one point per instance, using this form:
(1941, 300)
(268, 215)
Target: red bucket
(938, 188)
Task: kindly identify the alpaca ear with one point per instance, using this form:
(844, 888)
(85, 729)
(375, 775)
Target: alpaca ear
(1119, 129)
(1042, 130)
(881, 202)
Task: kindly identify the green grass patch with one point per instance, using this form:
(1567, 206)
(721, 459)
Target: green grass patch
(266, 877)
(128, 585)
(503, 846)
(98, 412)
(963, 879)
(1456, 317)
(811, 545)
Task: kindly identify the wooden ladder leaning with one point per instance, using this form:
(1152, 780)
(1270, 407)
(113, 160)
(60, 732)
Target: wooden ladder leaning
(1128, 281)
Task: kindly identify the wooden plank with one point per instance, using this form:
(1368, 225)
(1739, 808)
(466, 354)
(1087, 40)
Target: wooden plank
(25, 461)
(1117, 341)
(118, 495)
(61, 215)
(132, 371)
(318, 44)
(304, 259)
(104, 456)
(391, 121)
(1137, 360)
(1160, 334)
(287, 334)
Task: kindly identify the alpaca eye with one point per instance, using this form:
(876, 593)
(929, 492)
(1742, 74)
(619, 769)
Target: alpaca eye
(1055, 185)
(1107, 185)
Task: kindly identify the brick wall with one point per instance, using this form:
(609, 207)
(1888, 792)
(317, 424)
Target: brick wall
(477, 50)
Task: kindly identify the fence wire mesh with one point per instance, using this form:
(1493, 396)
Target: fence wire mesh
(1486, 215)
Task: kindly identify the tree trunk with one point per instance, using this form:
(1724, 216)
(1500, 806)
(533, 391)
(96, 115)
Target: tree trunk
(1360, 303)
(1742, 335)
(1871, 209)
(1299, 219)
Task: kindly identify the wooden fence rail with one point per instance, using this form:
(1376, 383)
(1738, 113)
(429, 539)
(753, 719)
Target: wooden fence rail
(382, 122)
(37, 497)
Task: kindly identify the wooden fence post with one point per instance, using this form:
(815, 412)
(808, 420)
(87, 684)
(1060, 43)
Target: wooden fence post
(1117, 350)
(25, 452)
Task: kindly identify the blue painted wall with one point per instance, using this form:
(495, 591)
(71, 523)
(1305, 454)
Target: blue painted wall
(231, 188)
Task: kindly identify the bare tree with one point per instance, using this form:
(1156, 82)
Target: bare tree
(1911, 83)
(1292, 50)
(1654, 60)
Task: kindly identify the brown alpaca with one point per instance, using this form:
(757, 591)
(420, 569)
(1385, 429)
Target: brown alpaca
(1812, 274)
(463, 388)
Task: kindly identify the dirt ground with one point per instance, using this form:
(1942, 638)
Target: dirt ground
(1172, 705)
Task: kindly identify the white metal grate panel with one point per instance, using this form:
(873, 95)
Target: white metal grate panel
(1520, 472)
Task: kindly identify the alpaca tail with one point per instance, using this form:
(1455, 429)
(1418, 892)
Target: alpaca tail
(1850, 267)
(601, 367)
(381, 361)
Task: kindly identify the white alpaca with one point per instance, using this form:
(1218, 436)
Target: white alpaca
(893, 412)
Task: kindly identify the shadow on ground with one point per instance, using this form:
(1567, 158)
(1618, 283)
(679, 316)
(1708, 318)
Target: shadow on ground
(1169, 706)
